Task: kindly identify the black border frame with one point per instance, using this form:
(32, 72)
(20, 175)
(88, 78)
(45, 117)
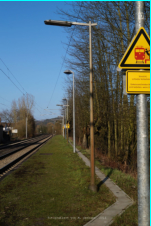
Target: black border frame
(141, 66)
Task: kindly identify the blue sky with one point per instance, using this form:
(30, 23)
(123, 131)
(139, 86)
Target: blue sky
(34, 54)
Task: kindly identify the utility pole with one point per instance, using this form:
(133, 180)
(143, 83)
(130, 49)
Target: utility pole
(142, 140)
(67, 121)
(74, 143)
(66, 118)
(63, 125)
(92, 185)
(26, 125)
(68, 72)
(69, 24)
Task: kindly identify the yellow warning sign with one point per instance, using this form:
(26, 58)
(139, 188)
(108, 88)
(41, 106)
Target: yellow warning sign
(137, 55)
(66, 126)
(138, 82)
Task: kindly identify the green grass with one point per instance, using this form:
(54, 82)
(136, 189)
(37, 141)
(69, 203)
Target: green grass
(51, 190)
(128, 184)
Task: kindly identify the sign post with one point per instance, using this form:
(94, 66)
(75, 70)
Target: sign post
(142, 140)
(135, 60)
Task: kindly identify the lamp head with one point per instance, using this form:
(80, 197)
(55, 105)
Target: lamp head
(58, 23)
(68, 72)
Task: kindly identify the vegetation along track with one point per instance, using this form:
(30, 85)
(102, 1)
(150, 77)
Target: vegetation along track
(13, 154)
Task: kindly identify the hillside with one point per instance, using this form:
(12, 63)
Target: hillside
(44, 122)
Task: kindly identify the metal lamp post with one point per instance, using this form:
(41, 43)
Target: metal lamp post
(26, 126)
(63, 116)
(61, 128)
(66, 116)
(68, 72)
(27, 123)
(63, 125)
(69, 24)
(52, 131)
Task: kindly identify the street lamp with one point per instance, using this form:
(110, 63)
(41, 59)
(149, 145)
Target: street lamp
(62, 119)
(59, 23)
(63, 124)
(27, 123)
(61, 128)
(68, 72)
(93, 186)
(66, 116)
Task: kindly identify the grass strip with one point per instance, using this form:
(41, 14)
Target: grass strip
(128, 184)
(51, 188)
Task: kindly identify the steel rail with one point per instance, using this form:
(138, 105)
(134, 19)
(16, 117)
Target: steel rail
(9, 165)
(4, 146)
(15, 151)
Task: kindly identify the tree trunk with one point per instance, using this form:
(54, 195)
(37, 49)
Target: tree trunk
(84, 142)
(115, 131)
(109, 140)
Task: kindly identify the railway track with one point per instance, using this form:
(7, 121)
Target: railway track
(15, 144)
(12, 148)
(13, 154)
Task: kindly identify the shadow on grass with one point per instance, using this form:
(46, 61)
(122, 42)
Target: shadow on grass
(105, 179)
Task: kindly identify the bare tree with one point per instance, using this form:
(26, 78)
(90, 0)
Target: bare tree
(6, 116)
(114, 112)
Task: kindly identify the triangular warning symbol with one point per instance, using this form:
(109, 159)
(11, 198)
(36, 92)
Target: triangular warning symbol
(137, 55)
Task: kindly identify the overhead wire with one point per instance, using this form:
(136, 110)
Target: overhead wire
(57, 77)
(64, 58)
(12, 74)
(39, 105)
(11, 81)
(3, 104)
(16, 80)
(5, 99)
(38, 110)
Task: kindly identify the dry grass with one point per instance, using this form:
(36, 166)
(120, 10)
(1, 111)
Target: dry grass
(51, 190)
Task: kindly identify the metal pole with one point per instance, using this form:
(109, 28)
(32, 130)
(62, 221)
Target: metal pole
(67, 121)
(92, 185)
(26, 126)
(73, 117)
(142, 140)
(63, 126)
